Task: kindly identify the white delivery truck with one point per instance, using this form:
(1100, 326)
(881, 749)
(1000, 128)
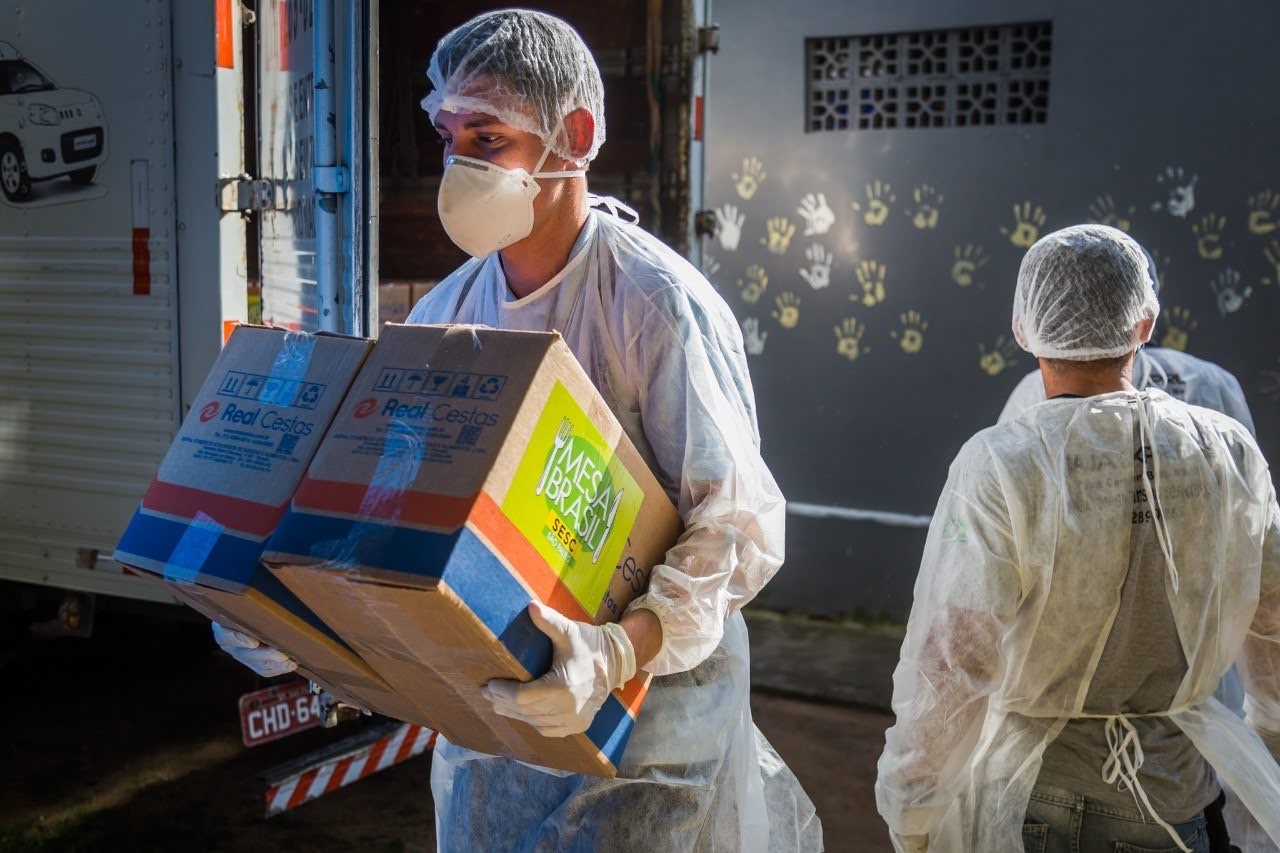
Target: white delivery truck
(172, 167)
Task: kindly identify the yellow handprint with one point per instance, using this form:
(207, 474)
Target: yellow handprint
(1208, 233)
(752, 177)
(1103, 211)
(1262, 212)
(911, 338)
(1028, 219)
(1272, 254)
(788, 313)
(778, 235)
(968, 259)
(879, 197)
(924, 215)
(753, 284)
(1179, 329)
(871, 277)
(849, 339)
(994, 361)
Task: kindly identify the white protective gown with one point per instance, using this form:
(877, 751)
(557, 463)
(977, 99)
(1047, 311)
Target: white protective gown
(666, 354)
(1021, 578)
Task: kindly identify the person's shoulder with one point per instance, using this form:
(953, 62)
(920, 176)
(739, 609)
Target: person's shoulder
(653, 273)
(437, 305)
(1203, 420)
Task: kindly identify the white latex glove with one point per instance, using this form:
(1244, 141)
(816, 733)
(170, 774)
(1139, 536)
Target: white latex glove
(264, 660)
(912, 843)
(588, 663)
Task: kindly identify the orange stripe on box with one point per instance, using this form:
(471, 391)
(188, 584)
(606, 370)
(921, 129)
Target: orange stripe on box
(228, 326)
(142, 262)
(225, 38)
(441, 512)
(632, 694)
(523, 558)
(238, 514)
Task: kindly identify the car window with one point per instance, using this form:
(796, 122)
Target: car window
(18, 78)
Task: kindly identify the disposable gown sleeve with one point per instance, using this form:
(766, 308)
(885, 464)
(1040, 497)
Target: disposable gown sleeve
(966, 594)
(698, 414)
(1260, 658)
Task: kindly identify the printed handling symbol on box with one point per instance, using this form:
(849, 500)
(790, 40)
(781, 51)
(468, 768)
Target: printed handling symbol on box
(250, 387)
(310, 395)
(489, 388)
(438, 383)
(389, 379)
(231, 384)
(462, 387)
(414, 382)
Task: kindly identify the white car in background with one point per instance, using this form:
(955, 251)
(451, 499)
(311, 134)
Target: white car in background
(45, 132)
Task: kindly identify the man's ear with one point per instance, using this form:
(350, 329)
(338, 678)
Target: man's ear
(580, 132)
(1145, 330)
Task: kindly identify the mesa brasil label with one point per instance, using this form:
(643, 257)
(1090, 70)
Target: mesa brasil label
(573, 501)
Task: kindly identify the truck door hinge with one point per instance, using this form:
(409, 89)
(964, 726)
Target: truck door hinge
(245, 194)
(704, 223)
(709, 39)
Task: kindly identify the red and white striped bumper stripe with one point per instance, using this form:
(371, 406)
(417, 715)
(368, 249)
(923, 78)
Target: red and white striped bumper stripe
(399, 745)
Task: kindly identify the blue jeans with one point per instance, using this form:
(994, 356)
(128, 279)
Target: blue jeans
(1061, 822)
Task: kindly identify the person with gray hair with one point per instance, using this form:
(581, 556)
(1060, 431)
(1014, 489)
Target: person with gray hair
(1093, 568)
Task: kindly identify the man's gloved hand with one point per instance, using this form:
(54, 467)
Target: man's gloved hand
(588, 663)
(264, 660)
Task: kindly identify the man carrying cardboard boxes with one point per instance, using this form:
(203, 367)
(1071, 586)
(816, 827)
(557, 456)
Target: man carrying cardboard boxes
(519, 103)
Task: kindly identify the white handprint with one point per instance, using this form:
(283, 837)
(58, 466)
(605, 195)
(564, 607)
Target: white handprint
(752, 337)
(1182, 192)
(818, 216)
(729, 226)
(710, 266)
(818, 273)
(1231, 297)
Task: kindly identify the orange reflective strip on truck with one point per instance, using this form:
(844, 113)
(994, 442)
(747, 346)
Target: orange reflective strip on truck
(226, 41)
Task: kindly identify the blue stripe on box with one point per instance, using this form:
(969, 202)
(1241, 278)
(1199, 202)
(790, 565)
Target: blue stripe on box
(460, 559)
(611, 729)
(232, 560)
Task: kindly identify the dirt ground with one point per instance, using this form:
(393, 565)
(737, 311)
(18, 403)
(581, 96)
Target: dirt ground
(130, 741)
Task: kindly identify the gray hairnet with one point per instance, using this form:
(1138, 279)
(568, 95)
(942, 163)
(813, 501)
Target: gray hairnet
(525, 68)
(1082, 292)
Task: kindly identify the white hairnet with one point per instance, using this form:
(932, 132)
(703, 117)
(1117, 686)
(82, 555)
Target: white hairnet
(525, 68)
(1081, 294)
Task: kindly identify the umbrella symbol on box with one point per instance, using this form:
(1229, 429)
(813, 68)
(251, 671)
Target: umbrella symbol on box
(414, 382)
(250, 387)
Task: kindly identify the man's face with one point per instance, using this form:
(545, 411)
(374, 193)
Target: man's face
(483, 137)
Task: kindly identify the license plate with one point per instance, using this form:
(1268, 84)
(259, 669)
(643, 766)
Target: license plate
(276, 712)
(84, 143)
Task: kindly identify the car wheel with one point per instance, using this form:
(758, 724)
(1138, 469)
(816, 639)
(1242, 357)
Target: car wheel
(84, 176)
(14, 180)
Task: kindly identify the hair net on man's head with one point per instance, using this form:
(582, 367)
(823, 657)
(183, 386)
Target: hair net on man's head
(525, 68)
(1082, 292)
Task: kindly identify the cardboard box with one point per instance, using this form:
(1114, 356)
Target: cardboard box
(224, 484)
(395, 301)
(470, 471)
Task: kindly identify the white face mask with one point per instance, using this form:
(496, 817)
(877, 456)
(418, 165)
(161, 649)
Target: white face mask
(485, 208)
